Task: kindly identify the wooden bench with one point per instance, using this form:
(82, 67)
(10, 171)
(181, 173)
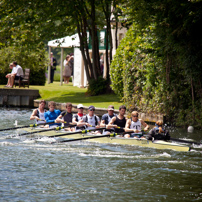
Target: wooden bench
(25, 81)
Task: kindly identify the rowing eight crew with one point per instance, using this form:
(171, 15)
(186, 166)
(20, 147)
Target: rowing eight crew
(118, 123)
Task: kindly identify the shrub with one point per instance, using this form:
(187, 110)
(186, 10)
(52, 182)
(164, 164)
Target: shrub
(97, 87)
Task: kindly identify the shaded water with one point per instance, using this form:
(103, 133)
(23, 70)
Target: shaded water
(83, 171)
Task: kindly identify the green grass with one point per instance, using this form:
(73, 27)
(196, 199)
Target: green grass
(69, 93)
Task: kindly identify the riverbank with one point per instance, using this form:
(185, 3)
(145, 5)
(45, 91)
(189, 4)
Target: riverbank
(69, 93)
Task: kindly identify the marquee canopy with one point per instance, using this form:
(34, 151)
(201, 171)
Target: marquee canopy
(65, 42)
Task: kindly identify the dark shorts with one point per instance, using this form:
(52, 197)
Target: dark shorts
(18, 77)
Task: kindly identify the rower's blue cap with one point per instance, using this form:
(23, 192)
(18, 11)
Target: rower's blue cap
(91, 107)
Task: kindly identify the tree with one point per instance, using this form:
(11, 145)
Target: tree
(171, 81)
(48, 19)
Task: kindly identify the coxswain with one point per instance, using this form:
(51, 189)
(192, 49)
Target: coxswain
(158, 132)
(135, 125)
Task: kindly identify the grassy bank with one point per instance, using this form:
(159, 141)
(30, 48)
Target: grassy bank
(75, 95)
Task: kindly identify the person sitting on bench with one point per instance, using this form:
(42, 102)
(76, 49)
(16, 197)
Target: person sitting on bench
(18, 74)
(8, 76)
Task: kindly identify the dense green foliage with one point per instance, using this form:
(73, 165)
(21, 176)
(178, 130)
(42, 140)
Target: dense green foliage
(160, 68)
(136, 72)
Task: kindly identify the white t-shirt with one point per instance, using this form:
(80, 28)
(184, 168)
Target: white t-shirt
(92, 120)
(19, 71)
(136, 126)
(65, 62)
(14, 70)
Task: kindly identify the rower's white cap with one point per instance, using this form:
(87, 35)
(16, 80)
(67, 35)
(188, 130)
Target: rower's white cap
(79, 106)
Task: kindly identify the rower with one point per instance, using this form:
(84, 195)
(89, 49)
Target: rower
(118, 121)
(38, 114)
(106, 118)
(52, 114)
(135, 125)
(78, 118)
(159, 132)
(66, 117)
(92, 121)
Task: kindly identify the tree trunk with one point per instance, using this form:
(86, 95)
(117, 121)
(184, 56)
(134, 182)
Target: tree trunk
(83, 52)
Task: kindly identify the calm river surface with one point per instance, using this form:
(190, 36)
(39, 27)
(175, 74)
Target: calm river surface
(83, 171)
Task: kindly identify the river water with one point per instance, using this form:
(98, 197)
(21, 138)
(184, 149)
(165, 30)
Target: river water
(83, 171)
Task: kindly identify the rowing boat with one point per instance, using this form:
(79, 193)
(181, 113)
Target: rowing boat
(157, 144)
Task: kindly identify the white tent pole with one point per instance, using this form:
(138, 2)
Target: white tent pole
(61, 69)
(49, 72)
(82, 73)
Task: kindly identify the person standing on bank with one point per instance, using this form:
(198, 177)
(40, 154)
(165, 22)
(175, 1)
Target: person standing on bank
(66, 117)
(53, 64)
(72, 63)
(67, 69)
(38, 113)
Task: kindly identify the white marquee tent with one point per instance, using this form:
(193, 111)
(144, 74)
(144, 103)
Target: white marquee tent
(65, 42)
(68, 42)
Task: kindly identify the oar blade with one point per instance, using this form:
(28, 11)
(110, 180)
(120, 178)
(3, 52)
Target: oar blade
(185, 141)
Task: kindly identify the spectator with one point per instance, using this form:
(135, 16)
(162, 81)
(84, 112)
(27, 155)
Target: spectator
(53, 65)
(101, 64)
(72, 63)
(8, 76)
(67, 69)
(17, 74)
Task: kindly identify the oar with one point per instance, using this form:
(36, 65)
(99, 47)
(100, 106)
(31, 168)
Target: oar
(87, 138)
(31, 125)
(45, 130)
(77, 132)
(184, 141)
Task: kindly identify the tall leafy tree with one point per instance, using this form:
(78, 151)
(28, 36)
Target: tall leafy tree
(173, 81)
(28, 23)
